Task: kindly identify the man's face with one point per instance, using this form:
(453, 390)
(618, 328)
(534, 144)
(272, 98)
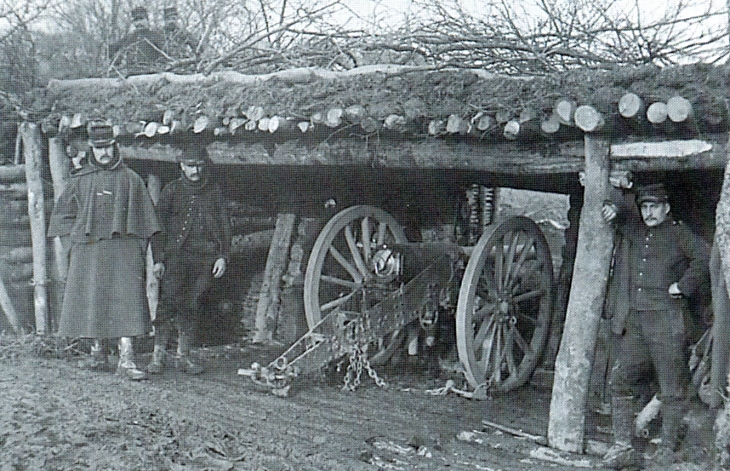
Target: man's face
(193, 170)
(103, 155)
(654, 213)
(141, 23)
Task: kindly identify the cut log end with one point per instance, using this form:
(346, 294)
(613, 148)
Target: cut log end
(436, 127)
(564, 109)
(551, 125)
(511, 130)
(657, 113)
(201, 124)
(630, 105)
(679, 109)
(588, 119)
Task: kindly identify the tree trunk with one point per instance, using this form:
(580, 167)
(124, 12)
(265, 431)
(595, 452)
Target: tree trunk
(566, 427)
(33, 164)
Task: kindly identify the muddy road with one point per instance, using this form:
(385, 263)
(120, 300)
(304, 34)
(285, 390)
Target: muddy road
(56, 416)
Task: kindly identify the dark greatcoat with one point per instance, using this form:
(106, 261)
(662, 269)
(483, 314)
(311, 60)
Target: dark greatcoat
(106, 216)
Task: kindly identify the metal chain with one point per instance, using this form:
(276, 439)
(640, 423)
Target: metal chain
(354, 370)
(359, 359)
(372, 373)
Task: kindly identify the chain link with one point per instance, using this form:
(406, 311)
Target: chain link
(358, 359)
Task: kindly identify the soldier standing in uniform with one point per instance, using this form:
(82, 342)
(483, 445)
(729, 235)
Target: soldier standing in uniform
(658, 263)
(192, 253)
(105, 217)
(179, 43)
(141, 50)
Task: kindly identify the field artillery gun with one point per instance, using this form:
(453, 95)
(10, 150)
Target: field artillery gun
(367, 290)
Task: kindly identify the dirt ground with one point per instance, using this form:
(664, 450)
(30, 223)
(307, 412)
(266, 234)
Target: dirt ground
(56, 416)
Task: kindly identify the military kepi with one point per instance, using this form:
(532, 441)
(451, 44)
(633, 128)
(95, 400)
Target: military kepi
(100, 133)
(655, 193)
(194, 154)
(170, 13)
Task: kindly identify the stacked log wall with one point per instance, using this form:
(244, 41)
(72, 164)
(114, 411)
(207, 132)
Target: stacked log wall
(16, 253)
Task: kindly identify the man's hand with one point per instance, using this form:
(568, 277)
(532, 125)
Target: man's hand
(674, 291)
(609, 211)
(158, 269)
(219, 268)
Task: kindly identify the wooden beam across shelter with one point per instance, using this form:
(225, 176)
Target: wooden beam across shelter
(498, 159)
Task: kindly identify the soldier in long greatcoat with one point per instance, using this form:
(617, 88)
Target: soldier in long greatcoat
(105, 218)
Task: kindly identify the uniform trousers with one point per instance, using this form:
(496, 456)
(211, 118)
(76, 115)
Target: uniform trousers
(653, 346)
(188, 276)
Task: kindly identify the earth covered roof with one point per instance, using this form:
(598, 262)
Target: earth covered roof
(466, 110)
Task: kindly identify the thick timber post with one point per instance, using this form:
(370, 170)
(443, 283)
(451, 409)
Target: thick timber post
(276, 262)
(566, 426)
(31, 137)
(154, 186)
(60, 167)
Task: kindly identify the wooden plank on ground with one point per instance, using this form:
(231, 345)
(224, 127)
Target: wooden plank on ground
(566, 426)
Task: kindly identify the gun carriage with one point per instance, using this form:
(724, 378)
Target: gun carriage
(367, 290)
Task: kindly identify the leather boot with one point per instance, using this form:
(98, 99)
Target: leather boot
(126, 366)
(622, 454)
(97, 359)
(672, 414)
(184, 362)
(162, 335)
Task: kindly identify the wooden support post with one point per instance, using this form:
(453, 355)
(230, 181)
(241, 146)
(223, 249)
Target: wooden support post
(154, 186)
(7, 306)
(31, 136)
(566, 426)
(276, 263)
(60, 166)
(565, 278)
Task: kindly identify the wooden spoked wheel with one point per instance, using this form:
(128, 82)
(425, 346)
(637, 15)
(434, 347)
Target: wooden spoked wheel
(351, 266)
(504, 308)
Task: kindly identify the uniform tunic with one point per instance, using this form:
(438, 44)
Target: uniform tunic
(139, 51)
(196, 233)
(107, 217)
(648, 321)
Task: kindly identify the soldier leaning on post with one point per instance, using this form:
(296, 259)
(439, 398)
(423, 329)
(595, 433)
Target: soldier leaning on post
(105, 217)
(192, 253)
(658, 263)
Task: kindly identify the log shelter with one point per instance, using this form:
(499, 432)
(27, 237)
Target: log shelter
(295, 146)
